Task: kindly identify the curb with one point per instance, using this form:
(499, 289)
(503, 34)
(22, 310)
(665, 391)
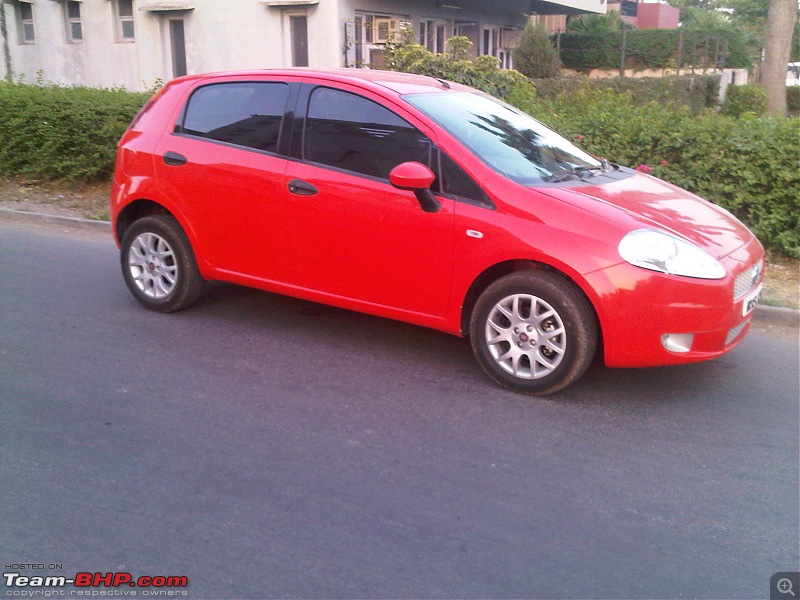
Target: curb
(24, 215)
(764, 315)
(775, 315)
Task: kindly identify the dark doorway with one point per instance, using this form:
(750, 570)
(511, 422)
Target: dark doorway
(178, 46)
(299, 32)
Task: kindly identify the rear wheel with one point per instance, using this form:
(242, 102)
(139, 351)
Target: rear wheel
(533, 332)
(158, 264)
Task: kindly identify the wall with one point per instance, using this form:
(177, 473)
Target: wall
(729, 76)
(657, 16)
(220, 35)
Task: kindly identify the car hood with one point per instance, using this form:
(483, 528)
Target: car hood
(653, 202)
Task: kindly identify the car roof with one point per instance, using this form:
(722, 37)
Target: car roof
(399, 83)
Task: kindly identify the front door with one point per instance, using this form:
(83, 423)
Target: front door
(356, 236)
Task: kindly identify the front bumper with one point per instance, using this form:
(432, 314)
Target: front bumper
(653, 319)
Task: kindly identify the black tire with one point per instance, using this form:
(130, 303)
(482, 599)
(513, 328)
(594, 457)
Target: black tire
(533, 332)
(158, 264)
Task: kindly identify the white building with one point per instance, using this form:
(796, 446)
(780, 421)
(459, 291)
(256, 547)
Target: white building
(135, 43)
(793, 74)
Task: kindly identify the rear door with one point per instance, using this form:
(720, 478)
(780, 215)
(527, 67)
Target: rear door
(222, 166)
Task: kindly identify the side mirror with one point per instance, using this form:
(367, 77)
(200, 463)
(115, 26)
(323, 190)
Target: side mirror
(418, 178)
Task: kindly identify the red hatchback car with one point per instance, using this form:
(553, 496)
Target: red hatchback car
(429, 202)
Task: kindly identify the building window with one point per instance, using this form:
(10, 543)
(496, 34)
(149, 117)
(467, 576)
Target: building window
(499, 42)
(432, 35)
(490, 40)
(72, 11)
(125, 31)
(178, 47)
(26, 31)
(298, 28)
(371, 33)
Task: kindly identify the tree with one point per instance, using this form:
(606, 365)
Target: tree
(684, 5)
(610, 22)
(777, 49)
(535, 56)
(750, 13)
(699, 18)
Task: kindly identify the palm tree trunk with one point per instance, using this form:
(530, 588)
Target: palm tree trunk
(780, 26)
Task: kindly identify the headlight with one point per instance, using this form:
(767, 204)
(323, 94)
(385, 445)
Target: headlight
(659, 251)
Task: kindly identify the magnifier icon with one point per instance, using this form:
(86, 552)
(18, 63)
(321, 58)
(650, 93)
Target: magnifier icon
(785, 586)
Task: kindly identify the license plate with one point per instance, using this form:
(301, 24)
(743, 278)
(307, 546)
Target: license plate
(751, 301)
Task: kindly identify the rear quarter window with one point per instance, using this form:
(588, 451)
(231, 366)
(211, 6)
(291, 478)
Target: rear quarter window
(246, 114)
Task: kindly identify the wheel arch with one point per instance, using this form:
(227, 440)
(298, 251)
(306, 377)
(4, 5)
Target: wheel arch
(499, 270)
(136, 210)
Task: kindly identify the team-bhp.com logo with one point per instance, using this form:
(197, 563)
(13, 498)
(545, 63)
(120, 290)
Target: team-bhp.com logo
(89, 583)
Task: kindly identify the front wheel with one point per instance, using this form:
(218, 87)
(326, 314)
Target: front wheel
(533, 332)
(158, 264)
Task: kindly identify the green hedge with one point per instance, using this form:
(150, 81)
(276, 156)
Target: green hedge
(793, 99)
(70, 133)
(741, 99)
(652, 49)
(748, 164)
(698, 92)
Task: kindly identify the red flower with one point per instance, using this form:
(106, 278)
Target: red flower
(580, 137)
(663, 163)
(643, 168)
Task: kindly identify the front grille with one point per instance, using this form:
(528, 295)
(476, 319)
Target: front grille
(747, 280)
(733, 333)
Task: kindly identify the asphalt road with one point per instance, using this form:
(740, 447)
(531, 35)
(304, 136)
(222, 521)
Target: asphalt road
(265, 447)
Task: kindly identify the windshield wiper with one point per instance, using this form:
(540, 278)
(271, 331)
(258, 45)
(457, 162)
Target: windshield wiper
(564, 175)
(573, 173)
(580, 172)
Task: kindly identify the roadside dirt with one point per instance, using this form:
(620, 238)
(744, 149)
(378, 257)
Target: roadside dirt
(781, 287)
(88, 201)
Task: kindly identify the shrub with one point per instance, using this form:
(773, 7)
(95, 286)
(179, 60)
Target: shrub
(455, 65)
(793, 99)
(740, 99)
(698, 92)
(535, 56)
(69, 133)
(654, 48)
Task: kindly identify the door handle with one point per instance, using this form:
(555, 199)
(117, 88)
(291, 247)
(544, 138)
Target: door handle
(302, 188)
(173, 159)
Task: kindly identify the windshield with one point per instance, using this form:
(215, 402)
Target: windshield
(509, 141)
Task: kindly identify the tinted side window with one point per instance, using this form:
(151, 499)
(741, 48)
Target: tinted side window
(454, 181)
(349, 132)
(243, 113)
